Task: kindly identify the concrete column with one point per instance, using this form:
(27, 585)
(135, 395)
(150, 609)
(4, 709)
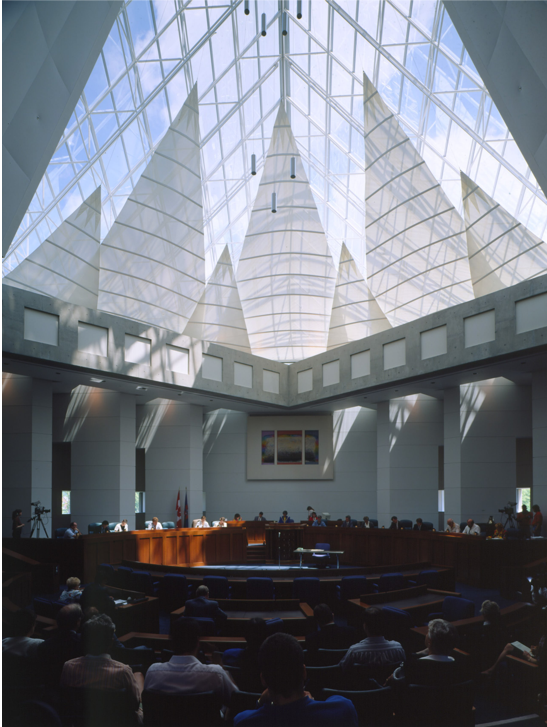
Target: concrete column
(410, 431)
(539, 434)
(26, 444)
(171, 433)
(481, 424)
(102, 428)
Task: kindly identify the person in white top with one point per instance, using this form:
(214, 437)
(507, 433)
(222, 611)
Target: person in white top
(222, 523)
(22, 644)
(451, 526)
(122, 527)
(183, 673)
(202, 523)
(471, 528)
(155, 524)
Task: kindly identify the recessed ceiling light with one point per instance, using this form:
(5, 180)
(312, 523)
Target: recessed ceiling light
(57, 373)
(142, 388)
(97, 381)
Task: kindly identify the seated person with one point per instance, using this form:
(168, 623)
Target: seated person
(95, 594)
(65, 644)
(471, 528)
(22, 642)
(394, 523)
(183, 673)
(312, 517)
(284, 702)
(492, 636)
(374, 649)
(285, 518)
(247, 659)
(72, 532)
(203, 607)
(319, 522)
(104, 527)
(122, 527)
(499, 532)
(260, 518)
(366, 522)
(451, 526)
(237, 517)
(155, 524)
(91, 612)
(202, 522)
(435, 666)
(222, 523)
(329, 634)
(73, 590)
(419, 524)
(347, 522)
(97, 669)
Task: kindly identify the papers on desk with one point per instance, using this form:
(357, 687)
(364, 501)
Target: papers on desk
(120, 602)
(521, 647)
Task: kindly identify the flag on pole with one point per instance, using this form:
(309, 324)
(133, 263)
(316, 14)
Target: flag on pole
(179, 516)
(186, 509)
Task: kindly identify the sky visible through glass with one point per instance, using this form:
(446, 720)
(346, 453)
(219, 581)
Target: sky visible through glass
(157, 50)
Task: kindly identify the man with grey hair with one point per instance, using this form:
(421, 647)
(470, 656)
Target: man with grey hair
(203, 607)
(451, 526)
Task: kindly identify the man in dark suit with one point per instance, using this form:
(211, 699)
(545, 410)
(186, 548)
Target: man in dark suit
(95, 594)
(394, 523)
(285, 518)
(419, 524)
(329, 635)
(65, 644)
(203, 607)
(260, 518)
(347, 522)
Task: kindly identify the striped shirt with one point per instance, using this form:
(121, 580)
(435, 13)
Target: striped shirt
(100, 672)
(374, 651)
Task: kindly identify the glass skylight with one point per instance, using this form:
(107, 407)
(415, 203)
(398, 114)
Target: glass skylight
(157, 50)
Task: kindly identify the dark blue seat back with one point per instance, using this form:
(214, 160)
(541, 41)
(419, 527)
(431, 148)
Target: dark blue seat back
(207, 626)
(307, 590)
(168, 525)
(426, 525)
(429, 578)
(59, 532)
(94, 528)
(274, 626)
(463, 526)
(397, 623)
(123, 579)
(111, 526)
(353, 587)
(260, 588)
(218, 586)
(174, 591)
(373, 523)
(142, 582)
(455, 608)
(405, 524)
(391, 582)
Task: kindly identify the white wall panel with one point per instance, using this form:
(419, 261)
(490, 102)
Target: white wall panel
(531, 313)
(41, 327)
(480, 328)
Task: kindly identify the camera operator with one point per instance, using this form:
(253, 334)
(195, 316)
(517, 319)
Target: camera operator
(524, 519)
(17, 524)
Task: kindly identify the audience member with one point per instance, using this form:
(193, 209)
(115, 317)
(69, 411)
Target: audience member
(347, 522)
(247, 660)
(537, 521)
(183, 673)
(73, 590)
(97, 669)
(435, 666)
(155, 524)
(72, 532)
(95, 594)
(22, 627)
(203, 607)
(329, 635)
(451, 526)
(285, 518)
(65, 644)
(471, 528)
(394, 523)
(284, 702)
(374, 649)
(90, 613)
(419, 524)
(122, 527)
(492, 637)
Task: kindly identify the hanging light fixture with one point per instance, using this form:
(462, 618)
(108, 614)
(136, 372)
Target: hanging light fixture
(253, 164)
(247, 9)
(274, 202)
(285, 24)
(299, 9)
(263, 24)
(293, 167)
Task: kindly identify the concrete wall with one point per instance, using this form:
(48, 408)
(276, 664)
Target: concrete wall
(352, 492)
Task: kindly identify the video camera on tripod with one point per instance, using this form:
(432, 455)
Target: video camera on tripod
(509, 511)
(37, 519)
(37, 509)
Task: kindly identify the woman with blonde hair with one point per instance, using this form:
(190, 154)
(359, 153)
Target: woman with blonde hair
(73, 590)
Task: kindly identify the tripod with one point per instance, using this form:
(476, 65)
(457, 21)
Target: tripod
(37, 523)
(510, 522)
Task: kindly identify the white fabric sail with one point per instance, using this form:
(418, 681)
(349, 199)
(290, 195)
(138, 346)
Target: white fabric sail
(218, 316)
(502, 252)
(416, 247)
(355, 312)
(153, 259)
(66, 265)
(285, 275)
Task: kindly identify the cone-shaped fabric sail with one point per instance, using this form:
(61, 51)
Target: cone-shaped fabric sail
(355, 313)
(416, 248)
(218, 317)
(502, 252)
(66, 265)
(152, 260)
(285, 274)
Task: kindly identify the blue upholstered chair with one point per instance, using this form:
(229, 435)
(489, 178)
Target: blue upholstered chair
(260, 588)
(373, 523)
(59, 532)
(218, 586)
(322, 556)
(174, 591)
(426, 525)
(168, 525)
(463, 526)
(374, 706)
(307, 590)
(352, 587)
(143, 582)
(207, 626)
(123, 579)
(390, 582)
(111, 526)
(94, 528)
(146, 524)
(109, 571)
(454, 609)
(397, 623)
(405, 524)
(274, 626)
(429, 578)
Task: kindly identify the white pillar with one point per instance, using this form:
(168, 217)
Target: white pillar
(26, 443)
(171, 433)
(481, 424)
(102, 428)
(410, 431)
(539, 434)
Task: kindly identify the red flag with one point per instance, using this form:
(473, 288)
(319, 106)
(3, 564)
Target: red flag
(186, 510)
(179, 518)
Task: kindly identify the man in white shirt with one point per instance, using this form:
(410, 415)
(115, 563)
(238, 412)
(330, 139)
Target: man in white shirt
(183, 673)
(451, 526)
(121, 527)
(72, 532)
(155, 524)
(471, 528)
(22, 644)
(202, 523)
(375, 650)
